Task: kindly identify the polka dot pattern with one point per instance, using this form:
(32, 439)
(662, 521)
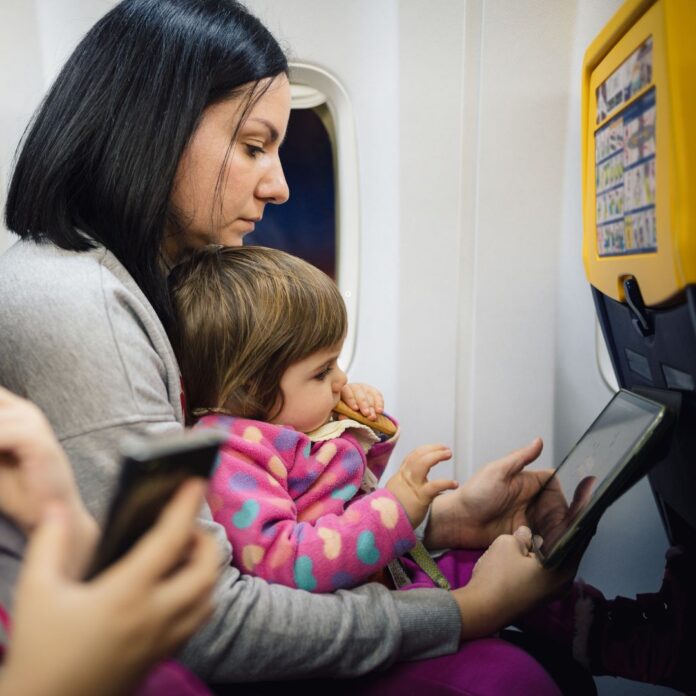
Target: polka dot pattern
(252, 434)
(244, 518)
(242, 481)
(367, 551)
(304, 579)
(332, 542)
(252, 555)
(277, 468)
(296, 511)
(388, 511)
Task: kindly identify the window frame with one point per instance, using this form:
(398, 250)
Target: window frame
(346, 195)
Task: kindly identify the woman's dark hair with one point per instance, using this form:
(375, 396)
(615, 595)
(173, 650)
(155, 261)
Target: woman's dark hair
(97, 163)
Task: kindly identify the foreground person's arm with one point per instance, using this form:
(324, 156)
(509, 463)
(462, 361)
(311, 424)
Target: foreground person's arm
(70, 637)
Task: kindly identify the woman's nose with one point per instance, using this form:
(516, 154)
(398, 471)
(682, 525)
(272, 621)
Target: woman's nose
(273, 188)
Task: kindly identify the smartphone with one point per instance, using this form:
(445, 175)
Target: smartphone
(152, 470)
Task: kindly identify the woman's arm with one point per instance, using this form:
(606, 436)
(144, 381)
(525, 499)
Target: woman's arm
(507, 582)
(492, 502)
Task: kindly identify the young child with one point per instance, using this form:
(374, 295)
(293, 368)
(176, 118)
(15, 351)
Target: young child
(258, 337)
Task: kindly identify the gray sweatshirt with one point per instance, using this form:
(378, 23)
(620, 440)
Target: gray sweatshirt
(79, 338)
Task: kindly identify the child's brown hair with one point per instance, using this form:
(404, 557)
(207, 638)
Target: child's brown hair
(242, 316)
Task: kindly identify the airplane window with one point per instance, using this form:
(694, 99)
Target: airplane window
(321, 221)
(306, 225)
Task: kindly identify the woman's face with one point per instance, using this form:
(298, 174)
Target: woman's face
(218, 201)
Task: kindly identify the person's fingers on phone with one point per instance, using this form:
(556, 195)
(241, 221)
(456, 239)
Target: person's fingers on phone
(163, 546)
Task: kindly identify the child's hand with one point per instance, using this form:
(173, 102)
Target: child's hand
(410, 483)
(363, 398)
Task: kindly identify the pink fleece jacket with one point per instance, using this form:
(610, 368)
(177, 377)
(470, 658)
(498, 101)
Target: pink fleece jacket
(294, 510)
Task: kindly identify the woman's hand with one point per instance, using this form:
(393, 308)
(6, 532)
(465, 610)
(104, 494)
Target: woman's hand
(410, 483)
(102, 636)
(363, 398)
(35, 474)
(492, 502)
(507, 581)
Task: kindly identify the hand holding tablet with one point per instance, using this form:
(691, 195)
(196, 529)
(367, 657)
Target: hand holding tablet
(615, 451)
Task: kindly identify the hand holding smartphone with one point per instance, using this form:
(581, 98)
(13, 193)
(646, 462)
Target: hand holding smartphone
(153, 468)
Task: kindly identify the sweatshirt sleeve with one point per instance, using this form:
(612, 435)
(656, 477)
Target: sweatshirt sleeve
(335, 541)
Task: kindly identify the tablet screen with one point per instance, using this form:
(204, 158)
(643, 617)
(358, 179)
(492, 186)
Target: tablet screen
(597, 460)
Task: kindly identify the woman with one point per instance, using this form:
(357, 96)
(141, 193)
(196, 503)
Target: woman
(162, 133)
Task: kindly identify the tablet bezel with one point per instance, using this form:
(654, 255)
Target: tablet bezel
(631, 466)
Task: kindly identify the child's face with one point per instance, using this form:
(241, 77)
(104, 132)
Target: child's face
(311, 389)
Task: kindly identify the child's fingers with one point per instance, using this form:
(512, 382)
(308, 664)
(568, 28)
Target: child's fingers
(434, 488)
(378, 401)
(421, 460)
(363, 399)
(348, 397)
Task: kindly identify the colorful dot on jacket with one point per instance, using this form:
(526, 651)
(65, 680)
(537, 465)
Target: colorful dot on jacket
(388, 512)
(304, 579)
(252, 434)
(242, 481)
(342, 579)
(252, 555)
(345, 493)
(332, 542)
(352, 462)
(366, 550)
(286, 440)
(276, 467)
(326, 453)
(245, 516)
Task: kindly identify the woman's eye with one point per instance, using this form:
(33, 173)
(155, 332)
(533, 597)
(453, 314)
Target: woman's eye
(254, 150)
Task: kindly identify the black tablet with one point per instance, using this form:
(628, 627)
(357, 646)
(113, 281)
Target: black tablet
(610, 457)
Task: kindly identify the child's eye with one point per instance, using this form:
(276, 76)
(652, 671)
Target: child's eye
(321, 376)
